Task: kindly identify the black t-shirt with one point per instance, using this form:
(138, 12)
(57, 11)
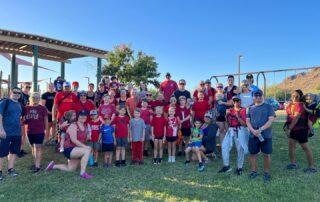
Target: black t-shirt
(179, 93)
(48, 97)
(24, 99)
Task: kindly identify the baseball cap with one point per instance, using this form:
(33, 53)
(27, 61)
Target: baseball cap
(123, 92)
(208, 81)
(67, 84)
(83, 113)
(236, 97)
(257, 92)
(249, 76)
(75, 83)
(168, 74)
(93, 112)
(101, 84)
(82, 92)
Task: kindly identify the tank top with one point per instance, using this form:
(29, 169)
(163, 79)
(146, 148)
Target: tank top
(81, 136)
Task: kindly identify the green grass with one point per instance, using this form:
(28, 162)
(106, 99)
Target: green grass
(167, 182)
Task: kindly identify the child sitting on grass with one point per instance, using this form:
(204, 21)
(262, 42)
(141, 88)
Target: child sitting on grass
(107, 139)
(195, 143)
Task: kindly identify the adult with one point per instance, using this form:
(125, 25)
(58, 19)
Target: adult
(36, 118)
(132, 102)
(106, 82)
(237, 133)
(58, 84)
(231, 90)
(297, 131)
(213, 92)
(10, 130)
(167, 87)
(210, 129)
(90, 93)
(47, 99)
(24, 101)
(199, 107)
(250, 79)
(246, 94)
(206, 92)
(75, 88)
(75, 148)
(99, 94)
(63, 102)
(84, 104)
(181, 91)
(259, 121)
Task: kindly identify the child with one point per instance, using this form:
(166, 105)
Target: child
(95, 128)
(146, 115)
(310, 107)
(137, 136)
(195, 143)
(68, 118)
(158, 131)
(121, 125)
(171, 135)
(221, 109)
(107, 138)
(107, 109)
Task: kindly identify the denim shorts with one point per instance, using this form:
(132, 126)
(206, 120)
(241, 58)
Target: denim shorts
(255, 146)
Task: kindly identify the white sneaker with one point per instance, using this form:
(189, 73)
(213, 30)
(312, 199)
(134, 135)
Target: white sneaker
(169, 159)
(173, 160)
(61, 149)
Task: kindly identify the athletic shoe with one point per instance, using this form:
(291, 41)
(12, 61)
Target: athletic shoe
(86, 176)
(225, 169)
(35, 170)
(186, 163)
(105, 165)
(123, 163)
(155, 161)
(1, 176)
(159, 161)
(239, 171)
(50, 166)
(253, 175)
(292, 166)
(145, 153)
(118, 164)
(12, 173)
(173, 159)
(201, 167)
(169, 159)
(95, 164)
(266, 177)
(180, 153)
(310, 170)
(133, 162)
(140, 162)
(206, 161)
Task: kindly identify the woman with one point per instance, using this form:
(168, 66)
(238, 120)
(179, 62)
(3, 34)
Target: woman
(90, 93)
(75, 149)
(210, 129)
(297, 131)
(36, 117)
(206, 92)
(246, 94)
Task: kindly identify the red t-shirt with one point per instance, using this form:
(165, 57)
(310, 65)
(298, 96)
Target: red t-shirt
(207, 94)
(66, 105)
(294, 108)
(95, 129)
(232, 119)
(172, 127)
(168, 87)
(34, 116)
(145, 114)
(156, 103)
(88, 106)
(81, 136)
(132, 103)
(166, 109)
(107, 110)
(121, 126)
(158, 124)
(200, 108)
(182, 113)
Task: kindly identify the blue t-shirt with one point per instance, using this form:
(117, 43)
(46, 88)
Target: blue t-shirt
(11, 117)
(107, 134)
(221, 108)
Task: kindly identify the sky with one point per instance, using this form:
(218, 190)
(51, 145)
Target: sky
(191, 39)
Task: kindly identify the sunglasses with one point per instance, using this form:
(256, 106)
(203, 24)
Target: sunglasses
(16, 93)
(148, 95)
(182, 84)
(28, 86)
(236, 100)
(201, 84)
(219, 86)
(83, 95)
(36, 97)
(107, 119)
(258, 95)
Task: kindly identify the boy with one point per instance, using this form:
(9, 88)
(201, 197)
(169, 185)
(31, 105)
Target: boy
(137, 136)
(146, 115)
(107, 138)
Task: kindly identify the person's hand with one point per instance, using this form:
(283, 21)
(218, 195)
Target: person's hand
(115, 143)
(3, 133)
(256, 133)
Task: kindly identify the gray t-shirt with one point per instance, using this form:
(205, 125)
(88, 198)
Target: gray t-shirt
(246, 99)
(11, 117)
(259, 115)
(136, 128)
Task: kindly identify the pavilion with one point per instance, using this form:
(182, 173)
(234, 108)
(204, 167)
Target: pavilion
(35, 46)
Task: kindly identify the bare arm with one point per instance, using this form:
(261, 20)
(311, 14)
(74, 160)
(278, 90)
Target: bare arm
(72, 131)
(2, 132)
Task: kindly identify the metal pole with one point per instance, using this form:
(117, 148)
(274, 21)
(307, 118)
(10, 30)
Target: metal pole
(13, 71)
(35, 51)
(239, 57)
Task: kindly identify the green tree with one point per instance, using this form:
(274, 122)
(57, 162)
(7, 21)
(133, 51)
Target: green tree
(122, 62)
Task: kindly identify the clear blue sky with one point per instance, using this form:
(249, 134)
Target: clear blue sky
(191, 39)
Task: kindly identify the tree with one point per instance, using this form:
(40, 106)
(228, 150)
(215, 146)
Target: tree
(122, 63)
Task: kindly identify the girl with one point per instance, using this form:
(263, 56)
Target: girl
(68, 118)
(171, 135)
(107, 109)
(158, 132)
(184, 117)
(95, 128)
(107, 139)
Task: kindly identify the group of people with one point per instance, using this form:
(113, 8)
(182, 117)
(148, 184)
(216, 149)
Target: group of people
(108, 120)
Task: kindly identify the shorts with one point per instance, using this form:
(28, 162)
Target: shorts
(107, 147)
(36, 138)
(221, 119)
(148, 132)
(300, 136)
(158, 137)
(95, 146)
(10, 144)
(122, 142)
(67, 152)
(171, 139)
(255, 146)
(195, 144)
(186, 132)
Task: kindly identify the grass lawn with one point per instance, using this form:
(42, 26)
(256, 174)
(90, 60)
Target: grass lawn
(167, 182)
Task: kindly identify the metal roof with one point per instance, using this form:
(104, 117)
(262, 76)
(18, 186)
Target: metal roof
(50, 49)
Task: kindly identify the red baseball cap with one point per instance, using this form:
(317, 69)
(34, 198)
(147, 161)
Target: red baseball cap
(75, 83)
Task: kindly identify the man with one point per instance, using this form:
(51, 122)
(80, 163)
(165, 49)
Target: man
(182, 91)
(75, 88)
(10, 130)
(167, 87)
(84, 104)
(213, 91)
(259, 121)
(231, 90)
(47, 101)
(250, 79)
(63, 102)
(99, 94)
(24, 101)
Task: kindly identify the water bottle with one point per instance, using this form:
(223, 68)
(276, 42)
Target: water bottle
(90, 161)
(260, 138)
